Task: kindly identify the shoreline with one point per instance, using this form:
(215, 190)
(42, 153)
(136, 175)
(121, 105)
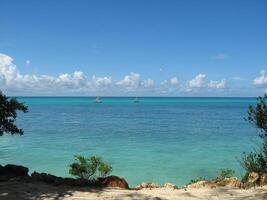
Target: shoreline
(16, 183)
(41, 191)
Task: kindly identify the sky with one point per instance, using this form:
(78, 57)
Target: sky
(133, 47)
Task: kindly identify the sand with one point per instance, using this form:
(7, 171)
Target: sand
(13, 190)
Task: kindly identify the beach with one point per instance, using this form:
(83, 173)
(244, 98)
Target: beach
(40, 191)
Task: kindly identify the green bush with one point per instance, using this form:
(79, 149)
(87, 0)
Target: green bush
(256, 161)
(89, 168)
(225, 173)
(195, 180)
(8, 114)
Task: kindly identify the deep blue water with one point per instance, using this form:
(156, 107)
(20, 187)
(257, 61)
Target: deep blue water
(158, 139)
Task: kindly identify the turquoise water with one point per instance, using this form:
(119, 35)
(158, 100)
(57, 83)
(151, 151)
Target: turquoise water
(155, 140)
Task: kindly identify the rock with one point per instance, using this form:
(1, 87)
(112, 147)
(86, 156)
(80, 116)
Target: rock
(138, 187)
(115, 181)
(144, 185)
(201, 184)
(147, 186)
(154, 185)
(263, 179)
(253, 177)
(43, 177)
(4, 178)
(12, 171)
(232, 182)
(156, 198)
(54, 180)
(1, 169)
(170, 186)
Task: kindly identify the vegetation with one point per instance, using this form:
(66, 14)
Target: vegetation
(89, 168)
(195, 180)
(225, 173)
(8, 114)
(256, 161)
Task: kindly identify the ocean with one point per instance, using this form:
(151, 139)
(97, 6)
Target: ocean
(155, 140)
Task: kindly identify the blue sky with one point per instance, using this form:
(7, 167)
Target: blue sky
(134, 47)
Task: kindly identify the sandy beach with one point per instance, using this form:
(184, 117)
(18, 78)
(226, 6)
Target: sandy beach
(12, 190)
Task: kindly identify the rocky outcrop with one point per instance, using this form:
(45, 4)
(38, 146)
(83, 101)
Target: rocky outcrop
(13, 171)
(154, 186)
(147, 186)
(263, 179)
(201, 184)
(21, 173)
(231, 182)
(170, 186)
(256, 179)
(110, 181)
(253, 177)
(43, 177)
(114, 181)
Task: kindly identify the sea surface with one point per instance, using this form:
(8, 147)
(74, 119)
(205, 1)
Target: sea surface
(156, 140)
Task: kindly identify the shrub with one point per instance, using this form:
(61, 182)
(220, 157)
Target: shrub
(256, 161)
(8, 114)
(225, 173)
(195, 180)
(89, 168)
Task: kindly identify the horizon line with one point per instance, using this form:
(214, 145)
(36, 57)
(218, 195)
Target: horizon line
(111, 96)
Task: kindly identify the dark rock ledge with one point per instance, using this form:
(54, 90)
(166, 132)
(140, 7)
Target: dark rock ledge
(20, 173)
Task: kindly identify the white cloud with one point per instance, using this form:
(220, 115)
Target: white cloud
(169, 86)
(148, 83)
(11, 79)
(130, 82)
(66, 83)
(174, 81)
(101, 82)
(8, 70)
(198, 81)
(217, 84)
(77, 83)
(261, 80)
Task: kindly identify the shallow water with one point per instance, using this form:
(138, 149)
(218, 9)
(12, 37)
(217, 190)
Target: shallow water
(155, 140)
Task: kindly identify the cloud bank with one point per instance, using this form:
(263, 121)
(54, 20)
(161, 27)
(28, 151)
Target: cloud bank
(77, 83)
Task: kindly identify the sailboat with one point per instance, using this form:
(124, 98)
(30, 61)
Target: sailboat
(136, 100)
(98, 100)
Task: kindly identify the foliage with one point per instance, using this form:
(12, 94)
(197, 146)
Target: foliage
(258, 115)
(8, 114)
(256, 161)
(225, 173)
(89, 168)
(195, 180)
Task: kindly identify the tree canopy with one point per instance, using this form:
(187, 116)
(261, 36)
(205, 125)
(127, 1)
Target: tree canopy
(258, 115)
(8, 114)
(256, 161)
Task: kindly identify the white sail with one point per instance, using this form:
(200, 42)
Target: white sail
(98, 100)
(136, 100)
